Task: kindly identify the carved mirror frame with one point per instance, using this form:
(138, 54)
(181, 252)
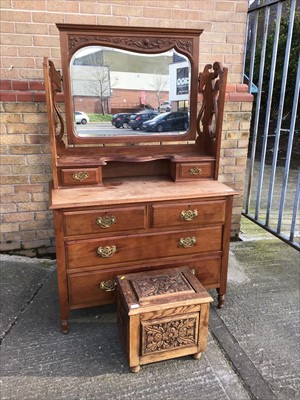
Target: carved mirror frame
(74, 37)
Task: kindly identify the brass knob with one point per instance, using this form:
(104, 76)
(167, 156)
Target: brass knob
(108, 286)
(106, 251)
(195, 171)
(189, 215)
(80, 176)
(106, 221)
(187, 242)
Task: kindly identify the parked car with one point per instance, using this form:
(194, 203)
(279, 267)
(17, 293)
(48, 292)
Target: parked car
(170, 121)
(81, 118)
(136, 121)
(165, 106)
(121, 120)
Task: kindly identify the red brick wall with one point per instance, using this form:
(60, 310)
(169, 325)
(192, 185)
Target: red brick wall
(29, 33)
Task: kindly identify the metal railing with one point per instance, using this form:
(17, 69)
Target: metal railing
(274, 150)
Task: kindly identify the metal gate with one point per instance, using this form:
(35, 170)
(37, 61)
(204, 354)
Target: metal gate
(272, 71)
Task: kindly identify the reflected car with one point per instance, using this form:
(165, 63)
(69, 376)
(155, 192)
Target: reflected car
(136, 121)
(170, 121)
(121, 120)
(81, 118)
(165, 106)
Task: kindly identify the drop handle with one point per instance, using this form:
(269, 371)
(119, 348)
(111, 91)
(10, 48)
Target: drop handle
(189, 215)
(187, 242)
(108, 286)
(107, 251)
(106, 221)
(80, 176)
(195, 171)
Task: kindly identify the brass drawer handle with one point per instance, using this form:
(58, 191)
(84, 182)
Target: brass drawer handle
(80, 176)
(107, 221)
(106, 251)
(108, 286)
(187, 242)
(189, 215)
(195, 171)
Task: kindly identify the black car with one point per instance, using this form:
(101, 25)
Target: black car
(170, 121)
(136, 121)
(121, 120)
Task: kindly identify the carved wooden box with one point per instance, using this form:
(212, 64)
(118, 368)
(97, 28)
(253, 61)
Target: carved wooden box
(161, 315)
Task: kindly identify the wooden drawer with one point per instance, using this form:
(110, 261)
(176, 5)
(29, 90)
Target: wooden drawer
(123, 249)
(92, 288)
(85, 291)
(76, 177)
(104, 220)
(187, 171)
(186, 214)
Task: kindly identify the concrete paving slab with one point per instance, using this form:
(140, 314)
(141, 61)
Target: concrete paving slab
(20, 279)
(252, 352)
(39, 362)
(262, 315)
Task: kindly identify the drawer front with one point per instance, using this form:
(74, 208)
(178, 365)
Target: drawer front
(79, 177)
(195, 170)
(123, 249)
(94, 288)
(105, 220)
(186, 214)
(208, 271)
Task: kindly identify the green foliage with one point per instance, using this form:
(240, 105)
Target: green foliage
(100, 117)
(293, 63)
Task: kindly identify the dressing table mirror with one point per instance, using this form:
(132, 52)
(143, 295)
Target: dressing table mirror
(128, 200)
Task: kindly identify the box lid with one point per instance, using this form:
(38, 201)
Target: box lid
(159, 288)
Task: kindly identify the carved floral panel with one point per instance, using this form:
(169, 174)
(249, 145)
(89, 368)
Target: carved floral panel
(169, 335)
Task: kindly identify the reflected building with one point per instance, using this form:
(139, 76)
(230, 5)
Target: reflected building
(107, 80)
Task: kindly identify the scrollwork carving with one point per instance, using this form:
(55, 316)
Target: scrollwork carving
(130, 43)
(211, 81)
(56, 87)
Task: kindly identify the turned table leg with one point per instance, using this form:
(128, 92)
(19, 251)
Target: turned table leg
(221, 298)
(65, 326)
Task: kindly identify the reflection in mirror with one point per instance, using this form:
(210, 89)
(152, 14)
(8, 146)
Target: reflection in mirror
(110, 87)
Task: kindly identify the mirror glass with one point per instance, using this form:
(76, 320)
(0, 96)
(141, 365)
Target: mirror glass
(121, 93)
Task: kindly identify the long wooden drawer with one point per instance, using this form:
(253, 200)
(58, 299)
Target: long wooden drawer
(104, 220)
(186, 214)
(122, 249)
(87, 289)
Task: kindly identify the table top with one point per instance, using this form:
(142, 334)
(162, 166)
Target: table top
(118, 191)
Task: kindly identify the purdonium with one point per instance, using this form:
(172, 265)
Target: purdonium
(162, 314)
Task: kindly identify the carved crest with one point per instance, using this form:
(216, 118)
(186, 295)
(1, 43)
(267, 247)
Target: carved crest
(211, 81)
(133, 43)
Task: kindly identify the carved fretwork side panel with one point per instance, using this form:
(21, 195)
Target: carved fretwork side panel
(56, 87)
(52, 79)
(166, 335)
(212, 87)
